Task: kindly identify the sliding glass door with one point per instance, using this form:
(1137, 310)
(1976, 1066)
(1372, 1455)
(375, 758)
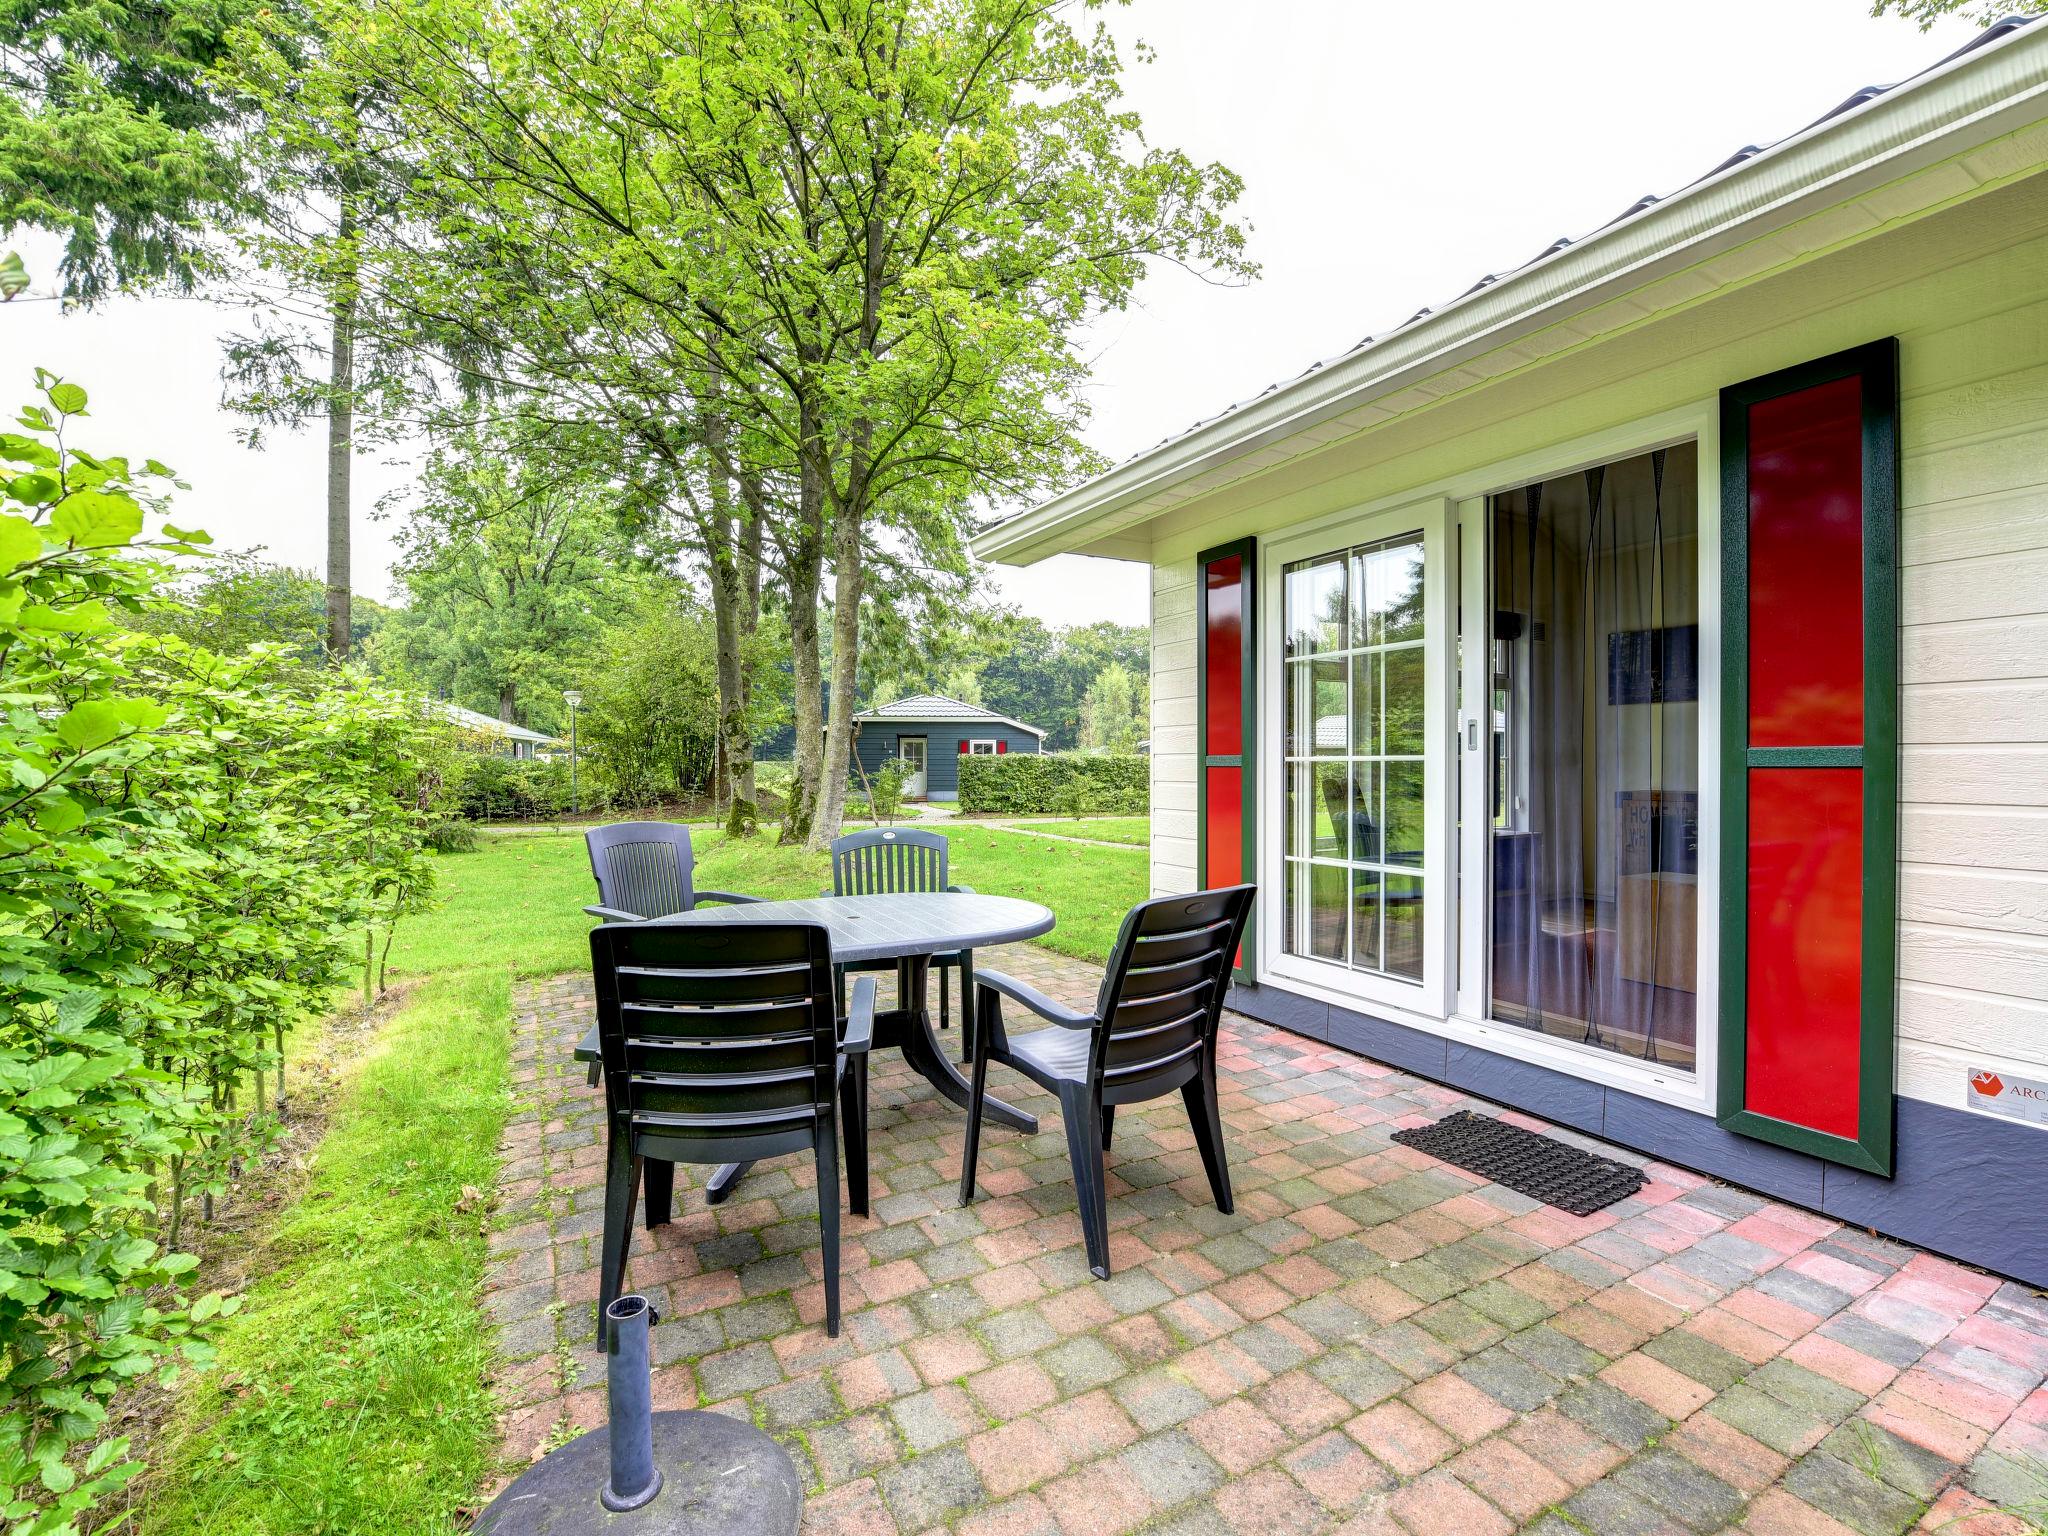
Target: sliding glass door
(1583, 701)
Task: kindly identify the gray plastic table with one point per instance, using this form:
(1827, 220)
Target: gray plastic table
(908, 928)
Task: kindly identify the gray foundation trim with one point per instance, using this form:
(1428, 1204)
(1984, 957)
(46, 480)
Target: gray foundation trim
(1963, 1185)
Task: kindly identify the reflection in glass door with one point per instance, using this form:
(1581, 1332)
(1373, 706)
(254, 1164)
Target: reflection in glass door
(1354, 637)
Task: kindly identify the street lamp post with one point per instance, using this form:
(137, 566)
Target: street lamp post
(575, 698)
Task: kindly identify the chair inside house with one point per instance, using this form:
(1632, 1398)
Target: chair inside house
(645, 869)
(889, 860)
(721, 1045)
(1153, 1030)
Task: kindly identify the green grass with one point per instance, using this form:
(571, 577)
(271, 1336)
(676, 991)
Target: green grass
(518, 900)
(353, 1388)
(1136, 830)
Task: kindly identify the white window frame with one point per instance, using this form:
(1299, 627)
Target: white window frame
(1378, 992)
(977, 744)
(1452, 999)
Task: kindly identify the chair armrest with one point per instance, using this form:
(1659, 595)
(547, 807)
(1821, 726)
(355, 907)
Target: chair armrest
(588, 1048)
(614, 915)
(860, 1018)
(729, 897)
(1035, 1000)
(960, 890)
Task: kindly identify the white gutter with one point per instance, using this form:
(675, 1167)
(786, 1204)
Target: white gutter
(1971, 99)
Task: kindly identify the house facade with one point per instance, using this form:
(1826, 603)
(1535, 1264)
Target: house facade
(930, 733)
(1628, 683)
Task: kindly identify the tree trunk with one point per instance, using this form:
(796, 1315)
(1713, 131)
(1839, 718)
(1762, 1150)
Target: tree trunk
(847, 578)
(341, 428)
(508, 697)
(728, 613)
(805, 558)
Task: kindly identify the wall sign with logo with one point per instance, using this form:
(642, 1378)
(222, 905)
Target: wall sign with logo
(2016, 1098)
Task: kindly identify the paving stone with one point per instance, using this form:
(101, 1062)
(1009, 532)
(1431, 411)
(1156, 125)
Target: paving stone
(1703, 1360)
(1694, 1497)
(1360, 1320)
(1785, 1429)
(1507, 1378)
(1853, 1496)
(1612, 1415)
(1171, 1467)
(929, 1490)
(1081, 1363)
(1876, 1451)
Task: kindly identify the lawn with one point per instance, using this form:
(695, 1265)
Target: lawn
(1135, 830)
(518, 899)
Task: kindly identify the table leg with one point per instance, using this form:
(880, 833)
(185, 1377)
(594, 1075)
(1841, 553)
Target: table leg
(922, 1051)
(724, 1181)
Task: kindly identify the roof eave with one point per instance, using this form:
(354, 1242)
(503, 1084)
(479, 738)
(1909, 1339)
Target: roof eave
(1973, 98)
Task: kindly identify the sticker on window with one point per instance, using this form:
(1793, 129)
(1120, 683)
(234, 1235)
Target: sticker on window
(2016, 1098)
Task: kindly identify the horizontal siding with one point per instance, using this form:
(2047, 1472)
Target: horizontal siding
(1973, 707)
(1173, 727)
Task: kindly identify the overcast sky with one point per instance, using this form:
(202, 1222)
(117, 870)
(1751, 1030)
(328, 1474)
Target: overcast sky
(1391, 155)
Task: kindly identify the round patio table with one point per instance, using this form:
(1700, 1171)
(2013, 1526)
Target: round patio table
(909, 927)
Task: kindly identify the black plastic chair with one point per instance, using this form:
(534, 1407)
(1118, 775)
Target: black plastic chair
(644, 869)
(721, 1045)
(886, 861)
(1153, 1030)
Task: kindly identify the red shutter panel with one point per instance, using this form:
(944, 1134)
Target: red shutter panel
(1002, 746)
(1225, 787)
(1809, 785)
(962, 746)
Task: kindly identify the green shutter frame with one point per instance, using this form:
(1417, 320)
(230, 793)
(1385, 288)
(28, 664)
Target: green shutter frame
(1248, 759)
(1877, 364)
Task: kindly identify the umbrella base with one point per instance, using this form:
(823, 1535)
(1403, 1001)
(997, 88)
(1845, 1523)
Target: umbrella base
(717, 1475)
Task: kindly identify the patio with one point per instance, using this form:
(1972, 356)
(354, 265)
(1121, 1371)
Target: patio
(1375, 1341)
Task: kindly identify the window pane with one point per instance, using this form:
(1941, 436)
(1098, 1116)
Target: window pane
(1404, 702)
(1365, 812)
(1404, 926)
(1403, 817)
(1365, 704)
(1365, 919)
(1330, 701)
(1388, 579)
(1326, 925)
(1332, 787)
(1315, 607)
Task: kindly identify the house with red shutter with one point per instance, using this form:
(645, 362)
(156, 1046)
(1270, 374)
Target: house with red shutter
(1627, 682)
(929, 733)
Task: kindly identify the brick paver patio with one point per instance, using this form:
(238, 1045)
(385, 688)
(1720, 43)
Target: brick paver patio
(1373, 1342)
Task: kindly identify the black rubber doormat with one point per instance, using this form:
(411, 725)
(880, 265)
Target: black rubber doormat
(1525, 1162)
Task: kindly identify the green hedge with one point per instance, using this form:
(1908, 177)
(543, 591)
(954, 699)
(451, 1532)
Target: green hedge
(1055, 784)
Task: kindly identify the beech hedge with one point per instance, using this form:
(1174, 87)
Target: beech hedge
(1056, 784)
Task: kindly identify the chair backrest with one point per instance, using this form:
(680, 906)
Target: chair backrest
(643, 867)
(713, 1032)
(887, 861)
(1162, 995)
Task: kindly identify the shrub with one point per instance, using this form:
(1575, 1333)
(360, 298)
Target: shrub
(885, 791)
(196, 851)
(1054, 784)
(451, 837)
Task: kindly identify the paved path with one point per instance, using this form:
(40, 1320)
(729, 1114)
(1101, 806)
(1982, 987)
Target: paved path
(1375, 1342)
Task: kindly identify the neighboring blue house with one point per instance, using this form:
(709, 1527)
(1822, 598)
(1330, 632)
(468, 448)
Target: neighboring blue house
(931, 734)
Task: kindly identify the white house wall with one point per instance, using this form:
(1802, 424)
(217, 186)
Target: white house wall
(1973, 326)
